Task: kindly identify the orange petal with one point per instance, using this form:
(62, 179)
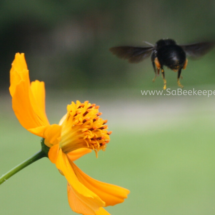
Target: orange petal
(72, 156)
(19, 72)
(53, 153)
(76, 154)
(39, 131)
(37, 98)
(79, 192)
(27, 101)
(19, 62)
(52, 134)
(23, 109)
(110, 194)
(78, 204)
(102, 211)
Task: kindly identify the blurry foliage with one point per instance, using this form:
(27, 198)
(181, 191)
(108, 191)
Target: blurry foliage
(66, 42)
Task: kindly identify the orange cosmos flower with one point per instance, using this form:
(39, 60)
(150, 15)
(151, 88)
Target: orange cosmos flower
(80, 131)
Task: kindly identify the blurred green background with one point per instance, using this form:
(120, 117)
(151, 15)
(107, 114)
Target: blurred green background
(162, 148)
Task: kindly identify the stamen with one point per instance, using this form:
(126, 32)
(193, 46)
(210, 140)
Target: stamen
(81, 105)
(91, 106)
(105, 121)
(99, 114)
(93, 128)
(78, 112)
(95, 119)
(86, 113)
(103, 127)
(87, 119)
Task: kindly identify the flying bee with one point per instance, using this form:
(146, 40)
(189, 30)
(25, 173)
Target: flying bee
(164, 53)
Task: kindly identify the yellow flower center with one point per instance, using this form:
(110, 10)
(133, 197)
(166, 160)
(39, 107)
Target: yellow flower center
(83, 128)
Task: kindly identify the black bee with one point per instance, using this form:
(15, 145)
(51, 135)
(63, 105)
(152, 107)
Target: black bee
(164, 53)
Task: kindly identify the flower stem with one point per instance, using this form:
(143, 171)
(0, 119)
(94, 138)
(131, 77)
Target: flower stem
(22, 165)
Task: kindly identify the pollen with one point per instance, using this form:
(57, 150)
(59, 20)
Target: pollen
(82, 127)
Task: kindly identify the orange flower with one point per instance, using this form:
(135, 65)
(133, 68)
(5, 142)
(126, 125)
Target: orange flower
(80, 131)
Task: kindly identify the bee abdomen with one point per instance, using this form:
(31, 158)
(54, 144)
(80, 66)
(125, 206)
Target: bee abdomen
(172, 56)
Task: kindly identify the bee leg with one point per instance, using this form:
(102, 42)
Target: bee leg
(184, 67)
(164, 80)
(159, 66)
(153, 64)
(185, 64)
(156, 66)
(156, 74)
(155, 70)
(178, 80)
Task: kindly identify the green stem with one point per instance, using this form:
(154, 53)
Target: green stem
(22, 165)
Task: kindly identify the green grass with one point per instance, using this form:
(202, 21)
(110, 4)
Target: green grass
(169, 170)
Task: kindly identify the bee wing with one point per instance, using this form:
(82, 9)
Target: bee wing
(131, 53)
(197, 49)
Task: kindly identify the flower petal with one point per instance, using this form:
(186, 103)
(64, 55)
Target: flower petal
(110, 194)
(52, 135)
(23, 109)
(28, 105)
(76, 154)
(19, 72)
(78, 203)
(72, 156)
(78, 191)
(39, 131)
(37, 97)
(102, 211)
(53, 153)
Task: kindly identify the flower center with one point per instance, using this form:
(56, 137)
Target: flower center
(83, 128)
